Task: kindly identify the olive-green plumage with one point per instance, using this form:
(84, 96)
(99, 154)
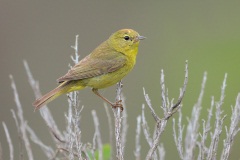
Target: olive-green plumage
(103, 67)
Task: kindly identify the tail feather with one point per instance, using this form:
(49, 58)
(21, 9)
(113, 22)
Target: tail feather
(47, 98)
(64, 87)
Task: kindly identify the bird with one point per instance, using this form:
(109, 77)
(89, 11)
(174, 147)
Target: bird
(103, 67)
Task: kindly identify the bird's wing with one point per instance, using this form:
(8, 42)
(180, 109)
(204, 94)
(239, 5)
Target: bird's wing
(92, 67)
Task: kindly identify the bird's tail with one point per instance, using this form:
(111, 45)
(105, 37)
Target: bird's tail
(64, 87)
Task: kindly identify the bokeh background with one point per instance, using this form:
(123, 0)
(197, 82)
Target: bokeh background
(206, 33)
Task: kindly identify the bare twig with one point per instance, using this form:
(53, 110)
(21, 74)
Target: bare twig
(75, 47)
(193, 124)
(168, 112)
(21, 119)
(58, 139)
(77, 130)
(73, 135)
(124, 124)
(44, 111)
(203, 150)
(232, 131)
(110, 128)
(174, 108)
(48, 151)
(93, 149)
(145, 127)
(161, 151)
(163, 92)
(118, 123)
(183, 89)
(146, 132)
(161, 126)
(148, 101)
(98, 134)
(212, 151)
(178, 138)
(19, 135)
(69, 128)
(11, 151)
(137, 139)
(65, 150)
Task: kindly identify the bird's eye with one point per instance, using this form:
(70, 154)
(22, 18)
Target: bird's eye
(126, 38)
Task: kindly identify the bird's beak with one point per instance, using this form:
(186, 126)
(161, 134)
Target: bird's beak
(140, 37)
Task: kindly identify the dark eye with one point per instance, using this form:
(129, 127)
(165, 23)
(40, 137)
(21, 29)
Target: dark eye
(126, 38)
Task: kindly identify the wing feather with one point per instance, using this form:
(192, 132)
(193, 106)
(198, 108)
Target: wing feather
(92, 67)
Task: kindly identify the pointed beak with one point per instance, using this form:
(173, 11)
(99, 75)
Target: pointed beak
(141, 37)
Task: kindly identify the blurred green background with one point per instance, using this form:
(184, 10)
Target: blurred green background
(207, 33)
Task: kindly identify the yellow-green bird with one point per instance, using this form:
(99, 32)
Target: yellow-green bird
(103, 67)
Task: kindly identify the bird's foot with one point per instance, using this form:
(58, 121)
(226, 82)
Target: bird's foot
(118, 104)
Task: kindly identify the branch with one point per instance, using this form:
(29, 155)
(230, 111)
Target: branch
(110, 128)
(148, 101)
(11, 151)
(178, 138)
(183, 89)
(147, 134)
(218, 123)
(168, 112)
(124, 124)
(75, 47)
(161, 151)
(98, 134)
(19, 135)
(193, 124)
(21, 119)
(233, 129)
(118, 122)
(44, 111)
(137, 139)
(48, 151)
(203, 150)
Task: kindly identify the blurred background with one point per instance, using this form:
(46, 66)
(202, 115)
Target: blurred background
(206, 33)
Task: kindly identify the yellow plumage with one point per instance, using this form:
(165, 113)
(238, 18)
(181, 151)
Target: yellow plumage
(103, 67)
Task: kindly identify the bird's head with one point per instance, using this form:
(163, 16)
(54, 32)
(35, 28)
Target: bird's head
(125, 41)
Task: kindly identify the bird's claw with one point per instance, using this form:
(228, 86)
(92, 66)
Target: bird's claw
(118, 104)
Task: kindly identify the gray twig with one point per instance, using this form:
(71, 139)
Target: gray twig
(19, 135)
(48, 151)
(145, 127)
(178, 138)
(21, 119)
(11, 151)
(118, 123)
(110, 128)
(168, 112)
(73, 135)
(212, 151)
(148, 101)
(75, 47)
(146, 132)
(161, 152)
(193, 124)
(98, 134)
(137, 139)
(124, 124)
(203, 150)
(44, 111)
(182, 90)
(232, 131)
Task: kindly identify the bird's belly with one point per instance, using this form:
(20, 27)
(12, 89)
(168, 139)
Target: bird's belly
(107, 80)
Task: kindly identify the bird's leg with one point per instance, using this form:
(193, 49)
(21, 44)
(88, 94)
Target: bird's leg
(114, 105)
